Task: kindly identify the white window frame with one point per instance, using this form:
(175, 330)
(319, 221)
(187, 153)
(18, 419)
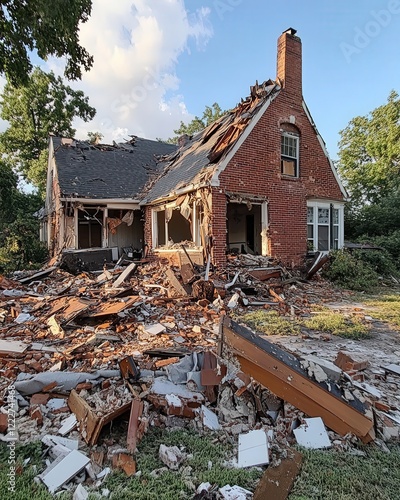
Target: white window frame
(295, 158)
(313, 241)
(154, 226)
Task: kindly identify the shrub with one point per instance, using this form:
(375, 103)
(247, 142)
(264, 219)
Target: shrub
(391, 243)
(20, 247)
(350, 271)
(379, 260)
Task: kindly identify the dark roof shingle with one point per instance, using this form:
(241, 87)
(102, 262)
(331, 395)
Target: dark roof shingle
(197, 161)
(119, 171)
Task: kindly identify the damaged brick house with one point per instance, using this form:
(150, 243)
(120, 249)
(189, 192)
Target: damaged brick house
(258, 180)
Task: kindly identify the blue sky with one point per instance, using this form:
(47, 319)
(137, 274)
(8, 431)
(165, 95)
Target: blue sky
(341, 77)
(158, 62)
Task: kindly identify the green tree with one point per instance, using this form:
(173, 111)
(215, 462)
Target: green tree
(49, 28)
(94, 137)
(210, 114)
(42, 106)
(8, 189)
(19, 243)
(369, 154)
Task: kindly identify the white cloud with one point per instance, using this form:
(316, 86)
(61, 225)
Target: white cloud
(136, 45)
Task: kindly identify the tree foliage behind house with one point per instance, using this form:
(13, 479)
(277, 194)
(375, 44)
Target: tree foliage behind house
(210, 115)
(369, 153)
(369, 162)
(42, 106)
(20, 247)
(49, 28)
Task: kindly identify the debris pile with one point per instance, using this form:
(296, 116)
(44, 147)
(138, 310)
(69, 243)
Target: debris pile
(148, 345)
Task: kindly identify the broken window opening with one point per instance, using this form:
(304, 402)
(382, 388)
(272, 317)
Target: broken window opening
(171, 227)
(178, 228)
(90, 224)
(290, 154)
(125, 230)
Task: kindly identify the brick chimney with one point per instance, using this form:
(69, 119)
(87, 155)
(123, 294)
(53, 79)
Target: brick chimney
(289, 70)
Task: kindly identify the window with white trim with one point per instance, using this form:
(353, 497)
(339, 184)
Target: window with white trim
(324, 227)
(169, 226)
(290, 154)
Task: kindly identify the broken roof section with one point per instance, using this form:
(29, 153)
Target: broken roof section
(107, 171)
(196, 162)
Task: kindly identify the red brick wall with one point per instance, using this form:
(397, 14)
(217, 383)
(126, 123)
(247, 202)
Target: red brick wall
(218, 226)
(289, 63)
(147, 227)
(256, 169)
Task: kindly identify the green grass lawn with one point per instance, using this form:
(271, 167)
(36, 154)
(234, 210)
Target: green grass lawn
(325, 475)
(332, 475)
(384, 306)
(324, 320)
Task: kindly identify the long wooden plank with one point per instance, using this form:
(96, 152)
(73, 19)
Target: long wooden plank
(89, 422)
(112, 307)
(282, 374)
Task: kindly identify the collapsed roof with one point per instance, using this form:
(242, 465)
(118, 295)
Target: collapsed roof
(104, 171)
(197, 161)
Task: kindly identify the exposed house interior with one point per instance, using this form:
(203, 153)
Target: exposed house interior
(244, 228)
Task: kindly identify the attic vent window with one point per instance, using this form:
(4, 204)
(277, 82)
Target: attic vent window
(290, 155)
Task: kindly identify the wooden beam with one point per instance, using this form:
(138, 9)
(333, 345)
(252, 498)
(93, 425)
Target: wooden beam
(173, 281)
(136, 413)
(282, 373)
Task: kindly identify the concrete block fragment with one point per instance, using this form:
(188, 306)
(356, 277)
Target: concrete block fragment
(312, 434)
(80, 493)
(331, 370)
(253, 449)
(171, 456)
(69, 466)
(235, 492)
(67, 425)
(210, 419)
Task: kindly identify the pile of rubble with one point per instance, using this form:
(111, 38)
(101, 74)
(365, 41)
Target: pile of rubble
(146, 345)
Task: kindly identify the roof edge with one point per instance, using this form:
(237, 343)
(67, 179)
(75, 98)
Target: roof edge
(323, 146)
(214, 182)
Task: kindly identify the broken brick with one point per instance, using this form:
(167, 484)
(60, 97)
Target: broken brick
(166, 362)
(3, 422)
(49, 387)
(381, 406)
(349, 361)
(39, 399)
(87, 386)
(105, 384)
(125, 462)
(36, 414)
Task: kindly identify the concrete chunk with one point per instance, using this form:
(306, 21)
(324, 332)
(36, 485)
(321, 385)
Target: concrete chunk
(332, 371)
(71, 465)
(253, 449)
(312, 434)
(171, 456)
